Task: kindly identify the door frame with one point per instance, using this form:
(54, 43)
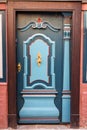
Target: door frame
(75, 8)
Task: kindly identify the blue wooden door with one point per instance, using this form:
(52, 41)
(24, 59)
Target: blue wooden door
(43, 66)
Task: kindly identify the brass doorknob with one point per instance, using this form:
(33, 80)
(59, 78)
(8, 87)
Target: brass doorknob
(39, 60)
(19, 67)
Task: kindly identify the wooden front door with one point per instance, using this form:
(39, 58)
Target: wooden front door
(43, 67)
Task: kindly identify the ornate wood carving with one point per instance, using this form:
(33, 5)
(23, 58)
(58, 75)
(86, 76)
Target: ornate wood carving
(39, 24)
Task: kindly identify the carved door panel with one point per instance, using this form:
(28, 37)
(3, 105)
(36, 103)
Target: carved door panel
(40, 68)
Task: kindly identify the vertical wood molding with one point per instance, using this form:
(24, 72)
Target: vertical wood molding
(12, 121)
(75, 71)
(81, 61)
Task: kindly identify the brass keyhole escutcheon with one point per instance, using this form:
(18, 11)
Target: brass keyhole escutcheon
(39, 60)
(19, 67)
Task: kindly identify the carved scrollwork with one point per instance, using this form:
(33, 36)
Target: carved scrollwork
(39, 24)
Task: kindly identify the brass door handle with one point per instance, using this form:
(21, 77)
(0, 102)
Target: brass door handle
(19, 67)
(39, 60)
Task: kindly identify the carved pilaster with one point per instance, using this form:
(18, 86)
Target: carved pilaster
(66, 70)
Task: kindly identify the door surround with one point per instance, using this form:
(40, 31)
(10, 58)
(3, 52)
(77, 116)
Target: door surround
(75, 8)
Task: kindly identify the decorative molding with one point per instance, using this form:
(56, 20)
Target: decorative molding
(29, 42)
(40, 95)
(39, 91)
(66, 92)
(67, 31)
(39, 24)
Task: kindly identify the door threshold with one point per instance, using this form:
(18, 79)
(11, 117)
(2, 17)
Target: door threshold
(39, 121)
(44, 126)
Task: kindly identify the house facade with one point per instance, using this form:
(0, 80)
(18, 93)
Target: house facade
(43, 62)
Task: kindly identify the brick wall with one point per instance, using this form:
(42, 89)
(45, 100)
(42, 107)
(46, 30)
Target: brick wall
(83, 86)
(3, 106)
(83, 106)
